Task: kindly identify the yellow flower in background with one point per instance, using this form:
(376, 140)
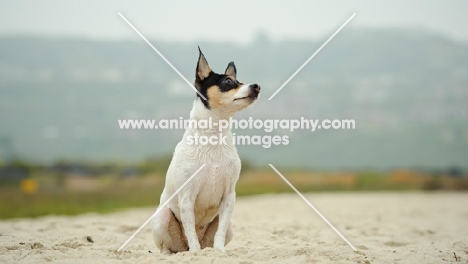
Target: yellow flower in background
(29, 186)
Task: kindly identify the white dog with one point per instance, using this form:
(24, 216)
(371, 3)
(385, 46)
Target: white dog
(200, 215)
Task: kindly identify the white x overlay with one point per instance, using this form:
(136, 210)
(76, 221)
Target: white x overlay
(162, 56)
(194, 174)
(311, 57)
(160, 208)
(313, 207)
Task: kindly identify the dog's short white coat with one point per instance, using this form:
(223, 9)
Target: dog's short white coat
(204, 207)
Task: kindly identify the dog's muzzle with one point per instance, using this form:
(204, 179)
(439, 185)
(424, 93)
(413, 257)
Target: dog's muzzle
(254, 90)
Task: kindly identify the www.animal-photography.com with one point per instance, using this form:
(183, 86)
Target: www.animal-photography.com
(233, 132)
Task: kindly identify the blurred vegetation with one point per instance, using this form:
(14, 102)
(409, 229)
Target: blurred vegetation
(408, 99)
(28, 190)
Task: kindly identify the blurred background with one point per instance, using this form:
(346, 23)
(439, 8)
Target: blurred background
(70, 70)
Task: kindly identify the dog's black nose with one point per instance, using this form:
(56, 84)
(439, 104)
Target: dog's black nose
(255, 87)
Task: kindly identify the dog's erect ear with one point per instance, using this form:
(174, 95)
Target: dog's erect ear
(203, 69)
(231, 70)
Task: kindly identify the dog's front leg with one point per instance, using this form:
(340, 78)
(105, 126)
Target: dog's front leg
(225, 212)
(188, 222)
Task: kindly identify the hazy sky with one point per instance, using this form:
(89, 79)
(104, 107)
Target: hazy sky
(226, 20)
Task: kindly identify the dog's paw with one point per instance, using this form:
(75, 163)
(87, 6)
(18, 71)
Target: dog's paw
(195, 248)
(219, 247)
(166, 251)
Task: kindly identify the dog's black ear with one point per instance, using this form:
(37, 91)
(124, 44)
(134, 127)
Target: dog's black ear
(203, 69)
(231, 70)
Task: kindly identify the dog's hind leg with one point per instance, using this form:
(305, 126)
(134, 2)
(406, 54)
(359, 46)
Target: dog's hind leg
(167, 232)
(208, 238)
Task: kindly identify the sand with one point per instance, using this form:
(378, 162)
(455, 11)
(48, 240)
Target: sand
(385, 228)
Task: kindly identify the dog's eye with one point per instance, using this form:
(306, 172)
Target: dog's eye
(228, 81)
(227, 84)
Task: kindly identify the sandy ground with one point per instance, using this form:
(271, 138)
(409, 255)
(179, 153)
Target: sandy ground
(385, 227)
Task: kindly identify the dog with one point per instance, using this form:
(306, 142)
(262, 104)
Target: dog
(200, 215)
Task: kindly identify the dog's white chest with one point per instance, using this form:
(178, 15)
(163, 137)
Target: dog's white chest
(217, 179)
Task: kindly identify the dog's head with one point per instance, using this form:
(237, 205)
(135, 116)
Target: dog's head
(223, 91)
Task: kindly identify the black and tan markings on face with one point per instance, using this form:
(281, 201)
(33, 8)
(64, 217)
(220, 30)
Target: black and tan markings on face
(218, 89)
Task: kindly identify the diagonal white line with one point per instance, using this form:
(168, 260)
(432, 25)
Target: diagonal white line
(162, 56)
(313, 207)
(160, 208)
(311, 57)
